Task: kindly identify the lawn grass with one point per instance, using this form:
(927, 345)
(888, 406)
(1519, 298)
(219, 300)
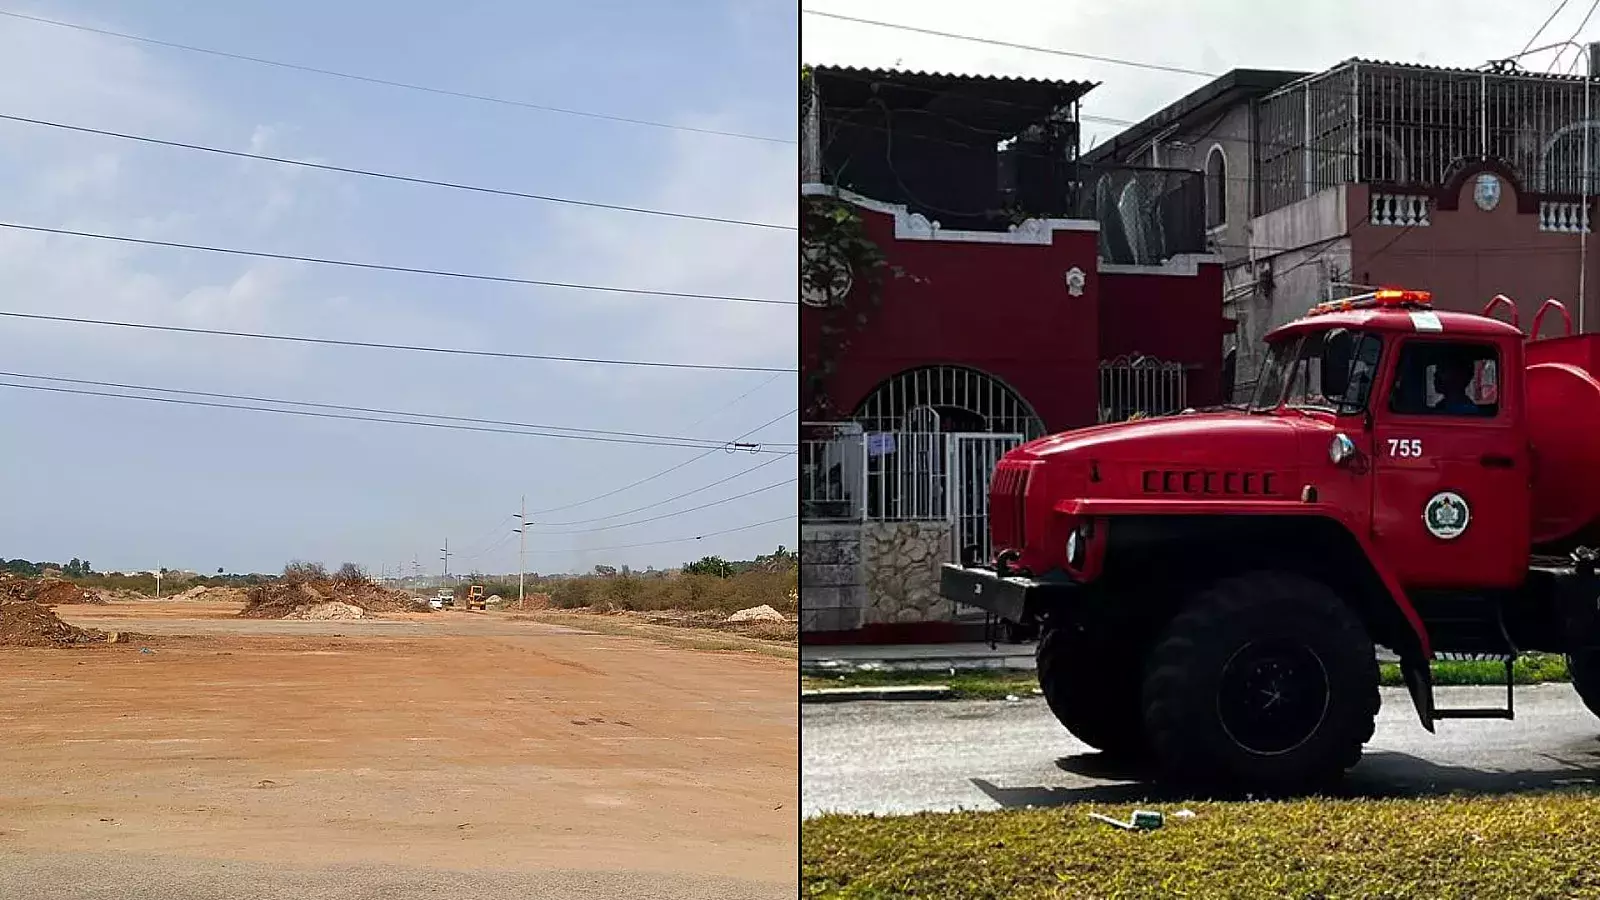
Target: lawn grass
(1532, 846)
(997, 684)
(979, 684)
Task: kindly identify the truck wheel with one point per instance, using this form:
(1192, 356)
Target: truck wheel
(1092, 686)
(1265, 681)
(1584, 667)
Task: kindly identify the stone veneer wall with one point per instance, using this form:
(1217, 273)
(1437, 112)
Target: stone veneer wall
(832, 588)
(900, 562)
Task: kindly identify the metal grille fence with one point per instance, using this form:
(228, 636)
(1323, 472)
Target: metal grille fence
(832, 472)
(1381, 123)
(949, 399)
(897, 476)
(1141, 386)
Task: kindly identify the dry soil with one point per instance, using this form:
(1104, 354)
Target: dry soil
(451, 742)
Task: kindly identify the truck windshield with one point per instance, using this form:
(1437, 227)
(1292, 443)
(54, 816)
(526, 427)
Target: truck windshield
(1274, 373)
(1329, 370)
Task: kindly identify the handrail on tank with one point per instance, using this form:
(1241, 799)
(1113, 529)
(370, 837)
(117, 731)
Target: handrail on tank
(1566, 317)
(1499, 299)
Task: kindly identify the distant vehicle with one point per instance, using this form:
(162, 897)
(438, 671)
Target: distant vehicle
(475, 598)
(445, 597)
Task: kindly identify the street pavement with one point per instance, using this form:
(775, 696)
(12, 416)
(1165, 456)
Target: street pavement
(903, 757)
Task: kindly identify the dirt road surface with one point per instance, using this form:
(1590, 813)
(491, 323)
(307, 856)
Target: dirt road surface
(461, 755)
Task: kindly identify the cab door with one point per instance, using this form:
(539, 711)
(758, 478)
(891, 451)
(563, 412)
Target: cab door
(1452, 488)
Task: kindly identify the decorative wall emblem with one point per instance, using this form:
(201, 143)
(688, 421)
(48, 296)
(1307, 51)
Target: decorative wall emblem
(1075, 281)
(832, 277)
(1486, 191)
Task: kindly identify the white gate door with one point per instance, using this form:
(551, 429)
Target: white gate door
(973, 458)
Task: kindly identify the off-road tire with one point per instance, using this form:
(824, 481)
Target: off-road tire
(1198, 679)
(1584, 667)
(1092, 687)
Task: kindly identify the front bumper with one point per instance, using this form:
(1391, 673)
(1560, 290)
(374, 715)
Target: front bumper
(1013, 598)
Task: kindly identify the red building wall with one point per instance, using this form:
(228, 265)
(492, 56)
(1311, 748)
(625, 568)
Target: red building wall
(1005, 309)
(1466, 255)
(1174, 317)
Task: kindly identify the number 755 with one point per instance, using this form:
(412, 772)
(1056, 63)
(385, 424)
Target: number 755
(1405, 447)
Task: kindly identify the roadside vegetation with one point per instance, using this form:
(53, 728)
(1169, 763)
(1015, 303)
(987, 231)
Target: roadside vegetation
(710, 585)
(980, 684)
(1538, 845)
(997, 684)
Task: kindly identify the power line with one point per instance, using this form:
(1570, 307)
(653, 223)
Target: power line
(384, 267)
(489, 534)
(731, 403)
(375, 345)
(673, 515)
(667, 471)
(585, 434)
(629, 512)
(998, 43)
(1559, 7)
(464, 95)
(391, 176)
(682, 540)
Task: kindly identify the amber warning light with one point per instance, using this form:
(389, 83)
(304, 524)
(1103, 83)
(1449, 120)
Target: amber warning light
(1387, 297)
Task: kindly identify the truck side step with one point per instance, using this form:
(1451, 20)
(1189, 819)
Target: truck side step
(1509, 712)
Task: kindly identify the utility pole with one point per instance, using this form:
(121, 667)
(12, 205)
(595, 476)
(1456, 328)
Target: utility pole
(446, 558)
(522, 549)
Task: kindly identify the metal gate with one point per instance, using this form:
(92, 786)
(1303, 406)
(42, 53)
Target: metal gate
(973, 458)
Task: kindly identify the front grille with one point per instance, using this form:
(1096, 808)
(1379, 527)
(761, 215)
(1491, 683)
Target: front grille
(1006, 507)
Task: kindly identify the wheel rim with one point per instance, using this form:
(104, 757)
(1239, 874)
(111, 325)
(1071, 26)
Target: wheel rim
(1273, 696)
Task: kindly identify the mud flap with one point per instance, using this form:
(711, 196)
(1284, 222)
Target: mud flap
(1419, 681)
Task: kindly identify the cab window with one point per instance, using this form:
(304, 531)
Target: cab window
(1448, 379)
(1334, 371)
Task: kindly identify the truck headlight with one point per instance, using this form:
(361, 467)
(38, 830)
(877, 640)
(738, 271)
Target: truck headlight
(1075, 548)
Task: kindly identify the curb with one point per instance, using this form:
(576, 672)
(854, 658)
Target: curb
(898, 692)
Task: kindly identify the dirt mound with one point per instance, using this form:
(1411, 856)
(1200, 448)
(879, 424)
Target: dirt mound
(49, 592)
(282, 599)
(761, 613)
(324, 611)
(27, 624)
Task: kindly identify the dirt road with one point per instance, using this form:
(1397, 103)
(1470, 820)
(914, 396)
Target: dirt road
(451, 747)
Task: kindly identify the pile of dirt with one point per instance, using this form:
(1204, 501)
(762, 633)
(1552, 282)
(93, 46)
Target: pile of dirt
(762, 613)
(324, 611)
(46, 591)
(24, 623)
(284, 599)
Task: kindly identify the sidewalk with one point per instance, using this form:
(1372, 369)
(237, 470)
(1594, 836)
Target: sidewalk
(916, 657)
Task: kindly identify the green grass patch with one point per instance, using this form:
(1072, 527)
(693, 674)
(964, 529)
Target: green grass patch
(997, 684)
(980, 684)
(1533, 846)
(1534, 668)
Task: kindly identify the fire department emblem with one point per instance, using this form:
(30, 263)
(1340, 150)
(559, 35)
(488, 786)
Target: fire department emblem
(1446, 516)
(1486, 192)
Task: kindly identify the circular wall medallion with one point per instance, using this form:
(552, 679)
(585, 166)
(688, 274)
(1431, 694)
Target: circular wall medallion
(1486, 191)
(1447, 515)
(829, 280)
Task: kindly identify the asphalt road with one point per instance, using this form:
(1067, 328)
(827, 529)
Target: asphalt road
(902, 757)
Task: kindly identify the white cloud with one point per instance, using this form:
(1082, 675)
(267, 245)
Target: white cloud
(705, 175)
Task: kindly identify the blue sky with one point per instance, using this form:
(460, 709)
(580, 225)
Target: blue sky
(134, 485)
